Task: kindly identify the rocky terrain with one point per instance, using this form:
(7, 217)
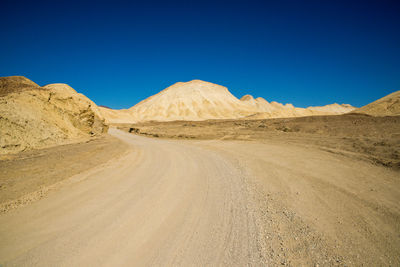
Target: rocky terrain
(35, 117)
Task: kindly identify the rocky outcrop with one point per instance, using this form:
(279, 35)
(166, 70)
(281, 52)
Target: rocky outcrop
(34, 117)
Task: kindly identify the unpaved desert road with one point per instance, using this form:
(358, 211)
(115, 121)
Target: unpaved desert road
(164, 204)
(201, 203)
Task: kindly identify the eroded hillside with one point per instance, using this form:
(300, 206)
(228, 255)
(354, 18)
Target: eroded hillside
(34, 117)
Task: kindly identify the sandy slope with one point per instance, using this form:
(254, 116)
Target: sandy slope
(194, 100)
(386, 106)
(213, 203)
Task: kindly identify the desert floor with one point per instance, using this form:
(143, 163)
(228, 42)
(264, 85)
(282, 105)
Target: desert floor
(285, 195)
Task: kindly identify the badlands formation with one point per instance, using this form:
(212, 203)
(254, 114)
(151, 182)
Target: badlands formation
(124, 199)
(199, 100)
(35, 117)
(32, 116)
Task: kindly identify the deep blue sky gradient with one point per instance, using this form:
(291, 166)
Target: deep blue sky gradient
(120, 52)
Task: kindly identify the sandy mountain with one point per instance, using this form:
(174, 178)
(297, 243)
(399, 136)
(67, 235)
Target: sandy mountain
(117, 115)
(264, 109)
(333, 109)
(200, 100)
(32, 116)
(194, 100)
(386, 106)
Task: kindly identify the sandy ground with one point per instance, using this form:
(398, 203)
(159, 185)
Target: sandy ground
(320, 208)
(373, 139)
(29, 175)
(213, 202)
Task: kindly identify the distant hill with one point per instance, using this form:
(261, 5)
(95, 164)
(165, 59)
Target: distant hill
(386, 106)
(199, 100)
(33, 117)
(194, 100)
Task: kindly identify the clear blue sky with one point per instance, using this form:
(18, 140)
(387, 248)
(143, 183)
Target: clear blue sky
(120, 52)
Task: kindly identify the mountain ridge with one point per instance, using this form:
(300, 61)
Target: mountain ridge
(201, 100)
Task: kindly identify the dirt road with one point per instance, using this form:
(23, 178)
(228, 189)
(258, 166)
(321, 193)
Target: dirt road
(163, 204)
(212, 203)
